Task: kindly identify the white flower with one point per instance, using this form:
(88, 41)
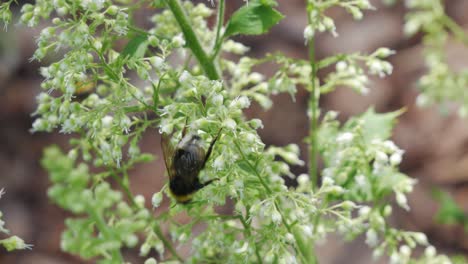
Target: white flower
(371, 238)
(243, 249)
(405, 250)
(255, 77)
(184, 77)
(395, 258)
(402, 201)
(345, 137)
(276, 217)
(107, 121)
(381, 157)
(156, 199)
(395, 158)
(218, 163)
(157, 62)
(244, 101)
(421, 238)
(364, 211)
(303, 180)
(178, 41)
(430, 252)
(361, 180)
(307, 230)
(217, 99)
(384, 52)
(230, 123)
(341, 66)
(151, 261)
(289, 238)
(328, 181)
(423, 100)
(308, 33)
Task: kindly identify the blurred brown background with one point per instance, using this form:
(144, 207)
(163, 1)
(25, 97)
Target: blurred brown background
(436, 145)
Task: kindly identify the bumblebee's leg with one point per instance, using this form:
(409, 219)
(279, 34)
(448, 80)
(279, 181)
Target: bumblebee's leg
(210, 149)
(184, 131)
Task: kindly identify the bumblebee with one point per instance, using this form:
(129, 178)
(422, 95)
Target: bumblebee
(184, 164)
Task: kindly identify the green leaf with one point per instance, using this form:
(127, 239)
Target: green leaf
(375, 125)
(136, 47)
(449, 212)
(253, 19)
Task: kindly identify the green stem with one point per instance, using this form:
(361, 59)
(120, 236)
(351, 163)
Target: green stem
(192, 41)
(458, 31)
(157, 230)
(102, 226)
(248, 233)
(166, 243)
(300, 249)
(313, 105)
(219, 26)
(253, 168)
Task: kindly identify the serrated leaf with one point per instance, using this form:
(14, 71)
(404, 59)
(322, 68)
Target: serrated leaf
(375, 125)
(253, 19)
(136, 47)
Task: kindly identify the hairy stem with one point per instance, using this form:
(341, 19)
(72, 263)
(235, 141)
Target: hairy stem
(166, 242)
(219, 26)
(313, 106)
(192, 41)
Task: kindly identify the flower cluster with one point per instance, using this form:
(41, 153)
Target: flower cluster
(442, 84)
(13, 242)
(349, 71)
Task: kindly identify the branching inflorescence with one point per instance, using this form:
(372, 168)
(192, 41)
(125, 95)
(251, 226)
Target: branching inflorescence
(172, 76)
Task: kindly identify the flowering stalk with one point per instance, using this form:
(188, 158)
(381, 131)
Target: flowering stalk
(192, 40)
(313, 102)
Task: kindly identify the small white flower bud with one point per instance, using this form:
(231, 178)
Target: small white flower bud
(384, 52)
(341, 66)
(421, 238)
(289, 238)
(107, 121)
(156, 199)
(381, 157)
(395, 158)
(430, 252)
(276, 217)
(303, 180)
(402, 201)
(184, 77)
(218, 163)
(157, 62)
(178, 41)
(345, 137)
(217, 99)
(308, 33)
(405, 250)
(364, 211)
(151, 261)
(230, 123)
(371, 238)
(140, 200)
(255, 77)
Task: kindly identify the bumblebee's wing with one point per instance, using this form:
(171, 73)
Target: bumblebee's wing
(168, 153)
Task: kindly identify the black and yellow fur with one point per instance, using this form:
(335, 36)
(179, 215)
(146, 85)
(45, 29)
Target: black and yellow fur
(184, 164)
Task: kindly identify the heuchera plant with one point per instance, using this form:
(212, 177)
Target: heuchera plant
(174, 75)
